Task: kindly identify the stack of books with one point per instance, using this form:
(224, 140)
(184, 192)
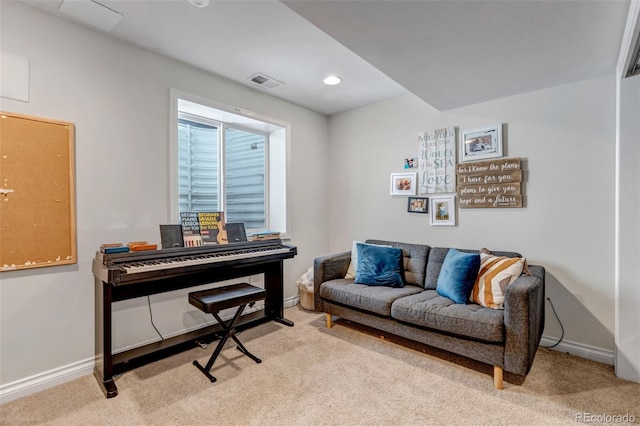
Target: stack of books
(263, 235)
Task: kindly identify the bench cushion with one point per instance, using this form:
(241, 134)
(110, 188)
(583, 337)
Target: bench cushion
(216, 299)
(429, 309)
(374, 299)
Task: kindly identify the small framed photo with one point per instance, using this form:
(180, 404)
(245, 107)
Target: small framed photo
(443, 211)
(404, 183)
(478, 144)
(418, 205)
(411, 163)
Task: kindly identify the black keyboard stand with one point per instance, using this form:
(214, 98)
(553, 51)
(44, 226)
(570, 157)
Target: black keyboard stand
(212, 301)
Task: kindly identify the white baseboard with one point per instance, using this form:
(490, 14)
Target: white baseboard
(58, 376)
(291, 301)
(45, 380)
(593, 353)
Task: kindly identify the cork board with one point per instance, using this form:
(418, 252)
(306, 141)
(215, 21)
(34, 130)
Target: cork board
(37, 192)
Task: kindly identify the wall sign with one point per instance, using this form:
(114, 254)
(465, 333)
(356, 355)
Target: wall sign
(437, 161)
(490, 184)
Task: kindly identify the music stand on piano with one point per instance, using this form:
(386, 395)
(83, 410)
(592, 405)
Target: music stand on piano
(236, 232)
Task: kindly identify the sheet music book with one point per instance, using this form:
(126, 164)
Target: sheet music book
(190, 229)
(212, 228)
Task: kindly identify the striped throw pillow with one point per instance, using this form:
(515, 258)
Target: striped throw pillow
(495, 274)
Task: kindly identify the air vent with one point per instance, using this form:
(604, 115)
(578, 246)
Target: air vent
(265, 81)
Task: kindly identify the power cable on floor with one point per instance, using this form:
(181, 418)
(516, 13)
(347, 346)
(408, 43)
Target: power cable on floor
(561, 327)
(151, 317)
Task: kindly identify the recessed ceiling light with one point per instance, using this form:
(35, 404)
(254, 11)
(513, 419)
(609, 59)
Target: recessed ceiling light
(199, 3)
(332, 80)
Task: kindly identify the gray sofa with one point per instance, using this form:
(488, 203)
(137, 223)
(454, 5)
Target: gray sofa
(507, 339)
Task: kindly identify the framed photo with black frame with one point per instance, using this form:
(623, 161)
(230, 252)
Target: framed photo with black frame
(418, 205)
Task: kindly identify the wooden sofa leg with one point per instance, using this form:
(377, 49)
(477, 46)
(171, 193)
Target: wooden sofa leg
(497, 377)
(329, 321)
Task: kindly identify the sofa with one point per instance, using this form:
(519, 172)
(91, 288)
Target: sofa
(505, 338)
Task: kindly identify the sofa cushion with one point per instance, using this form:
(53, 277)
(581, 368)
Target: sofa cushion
(351, 270)
(379, 265)
(496, 273)
(457, 275)
(436, 257)
(374, 299)
(414, 259)
(430, 310)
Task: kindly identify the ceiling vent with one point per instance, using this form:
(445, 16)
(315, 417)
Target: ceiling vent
(265, 81)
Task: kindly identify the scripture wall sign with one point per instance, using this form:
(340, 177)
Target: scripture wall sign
(490, 184)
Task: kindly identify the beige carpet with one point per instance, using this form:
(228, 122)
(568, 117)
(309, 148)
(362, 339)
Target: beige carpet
(311, 375)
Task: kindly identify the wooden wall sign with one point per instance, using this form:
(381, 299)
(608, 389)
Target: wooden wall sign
(490, 184)
(493, 177)
(37, 192)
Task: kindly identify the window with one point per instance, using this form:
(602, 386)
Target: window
(201, 168)
(245, 183)
(197, 165)
(224, 161)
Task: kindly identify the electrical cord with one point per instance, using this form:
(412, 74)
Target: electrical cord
(203, 345)
(151, 317)
(561, 327)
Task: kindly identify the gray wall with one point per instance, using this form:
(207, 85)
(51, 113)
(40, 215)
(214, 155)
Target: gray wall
(566, 136)
(118, 97)
(628, 241)
(627, 315)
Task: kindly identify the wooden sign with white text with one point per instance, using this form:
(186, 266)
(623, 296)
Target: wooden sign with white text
(498, 165)
(485, 178)
(490, 201)
(490, 189)
(490, 184)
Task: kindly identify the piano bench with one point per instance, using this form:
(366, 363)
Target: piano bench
(217, 299)
(212, 301)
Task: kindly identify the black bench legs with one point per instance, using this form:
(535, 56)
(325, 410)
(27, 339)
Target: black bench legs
(214, 300)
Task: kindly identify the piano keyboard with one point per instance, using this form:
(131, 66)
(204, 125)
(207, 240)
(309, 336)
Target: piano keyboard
(160, 264)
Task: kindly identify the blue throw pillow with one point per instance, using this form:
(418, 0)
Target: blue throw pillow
(458, 274)
(378, 265)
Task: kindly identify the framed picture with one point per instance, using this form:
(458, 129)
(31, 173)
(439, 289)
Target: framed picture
(404, 183)
(478, 144)
(443, 211)
(418, 205)
(411, 163)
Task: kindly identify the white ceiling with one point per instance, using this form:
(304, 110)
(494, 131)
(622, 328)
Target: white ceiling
(448, 53)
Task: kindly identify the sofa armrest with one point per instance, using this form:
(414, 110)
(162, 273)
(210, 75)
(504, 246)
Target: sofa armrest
(524, 306)
(327, 268)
